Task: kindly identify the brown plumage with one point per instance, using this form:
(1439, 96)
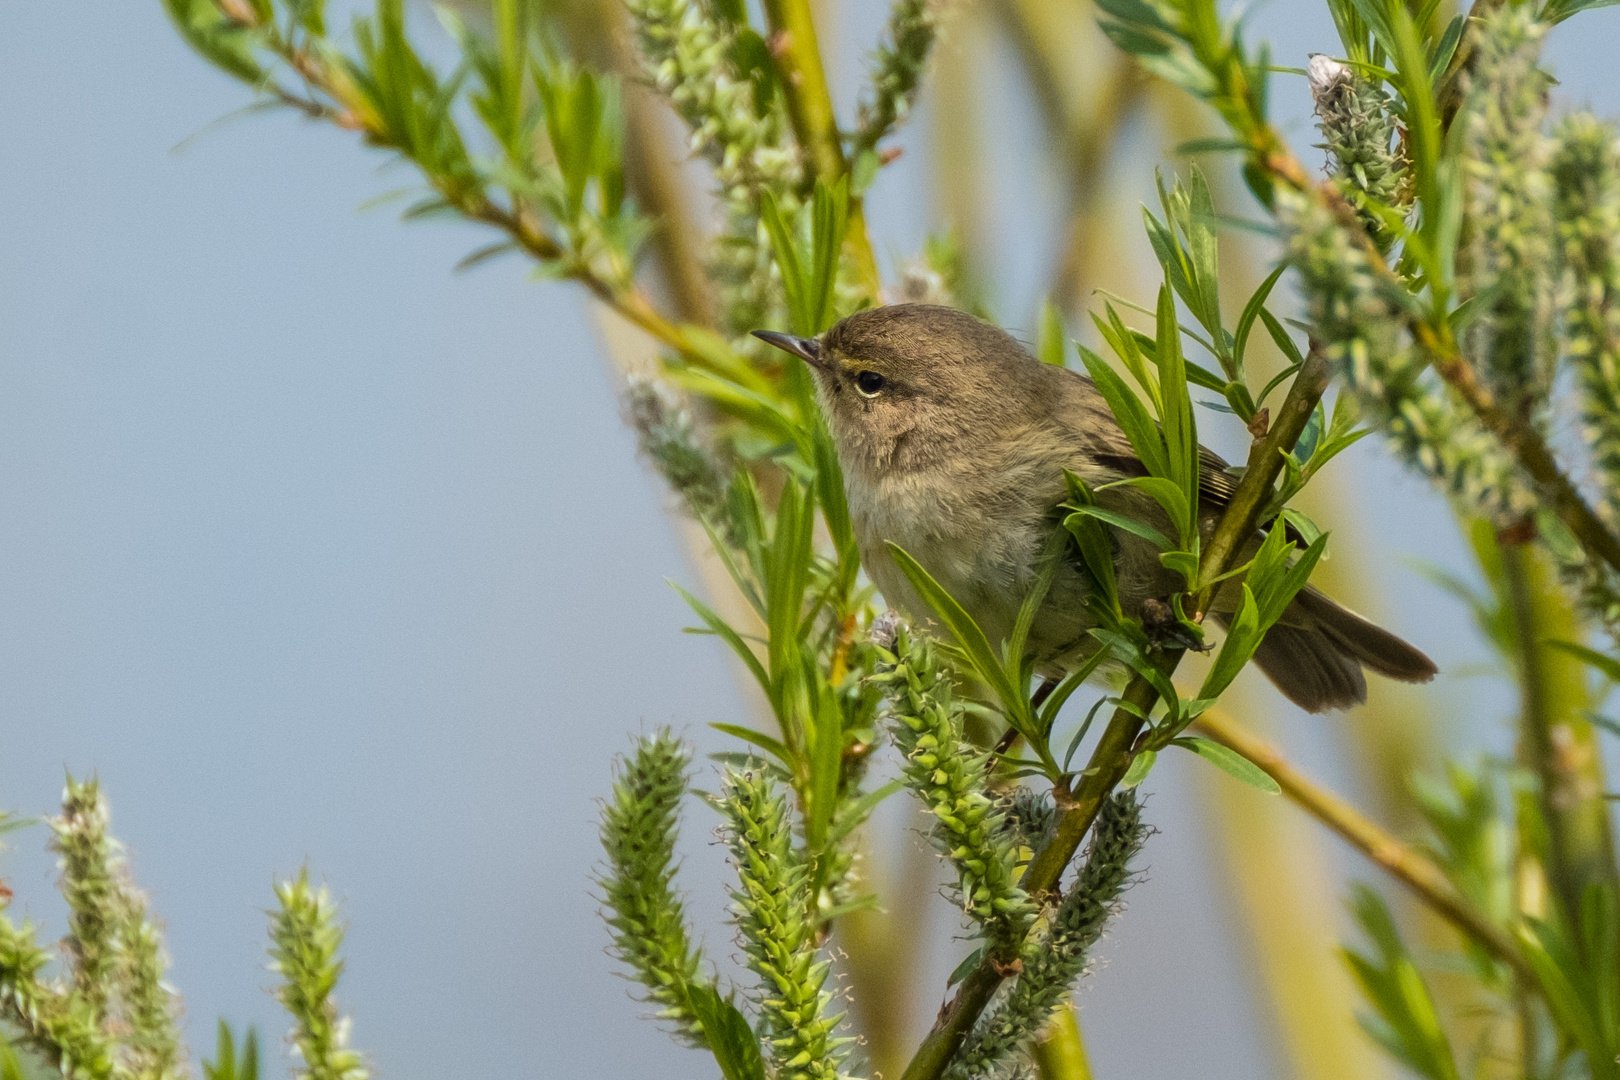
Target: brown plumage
(953, 441)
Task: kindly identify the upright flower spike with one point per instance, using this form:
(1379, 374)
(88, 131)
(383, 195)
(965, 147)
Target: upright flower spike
(152, 1047)
(638, 835)
(772, 905)
(1586, 180)
(687, 53)
(1362, 138)
(1054, 960)
(86, 855)
(1508, 198)
(304, 940)
(47, 1018)
(897, 74)
(666, 434)
(1427, 427)
(952, 780)
(118, 960)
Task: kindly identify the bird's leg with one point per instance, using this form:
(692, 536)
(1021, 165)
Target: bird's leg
(1164, 628)
(1010, 736)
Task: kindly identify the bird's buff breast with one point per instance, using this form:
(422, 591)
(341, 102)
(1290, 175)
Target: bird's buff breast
(981, 546)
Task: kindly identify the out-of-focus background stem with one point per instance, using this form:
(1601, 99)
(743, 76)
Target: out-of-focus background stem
(1061, 1052)
(1556, 741)
(1088, 93)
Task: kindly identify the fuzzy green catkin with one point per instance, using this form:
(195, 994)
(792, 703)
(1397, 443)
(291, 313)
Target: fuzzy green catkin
(1052, 962)
(1362, 138)
(1356, 323)
(667, 435)
(1028, 816)
(116, 954)
(638, 832)
(152, 1046)
(1509, 262)
(1586, 179)
(304, 941)
(901, 61)
(685, 51)
(952, 780)
(86, 856)
(776, 931)
(59, 1025)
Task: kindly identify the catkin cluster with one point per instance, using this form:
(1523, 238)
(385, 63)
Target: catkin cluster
(1357, 324)
(114, 1017)
(897, 74)
(1362, 138)
(1509, 263)
(1055, 959)
(668, 437)
(642, 910)
(1586, 180)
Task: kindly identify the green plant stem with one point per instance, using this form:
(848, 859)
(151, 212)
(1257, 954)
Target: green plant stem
(815, 124)
(1556, 742)
(1407, 866)
(1111, 758)
(1060, 1054)
(809, 101)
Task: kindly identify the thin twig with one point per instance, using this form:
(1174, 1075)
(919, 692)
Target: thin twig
(1421, 875)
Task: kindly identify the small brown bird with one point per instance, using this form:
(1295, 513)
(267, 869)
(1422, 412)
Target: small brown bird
(953, 441)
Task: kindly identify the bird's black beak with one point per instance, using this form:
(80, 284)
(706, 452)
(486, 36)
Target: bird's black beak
(806, 349)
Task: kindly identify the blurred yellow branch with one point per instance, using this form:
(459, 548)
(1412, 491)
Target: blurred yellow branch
(1060, 1053)
(1397, 859)
(815, 124)
(1556, 741)
(1085, 111)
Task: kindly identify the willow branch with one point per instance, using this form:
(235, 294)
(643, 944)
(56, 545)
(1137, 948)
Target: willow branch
(1426, 881)
(519, 226)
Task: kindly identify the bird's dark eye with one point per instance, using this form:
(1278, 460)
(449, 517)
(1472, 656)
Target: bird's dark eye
(869, 382)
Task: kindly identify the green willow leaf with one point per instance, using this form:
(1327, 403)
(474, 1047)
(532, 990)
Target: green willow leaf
(1229, 761)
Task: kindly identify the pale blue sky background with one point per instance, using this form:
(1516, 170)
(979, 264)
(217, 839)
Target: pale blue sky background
(318, 553)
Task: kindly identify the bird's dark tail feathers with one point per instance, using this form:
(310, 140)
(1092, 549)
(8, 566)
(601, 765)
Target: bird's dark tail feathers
(1315, 654)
